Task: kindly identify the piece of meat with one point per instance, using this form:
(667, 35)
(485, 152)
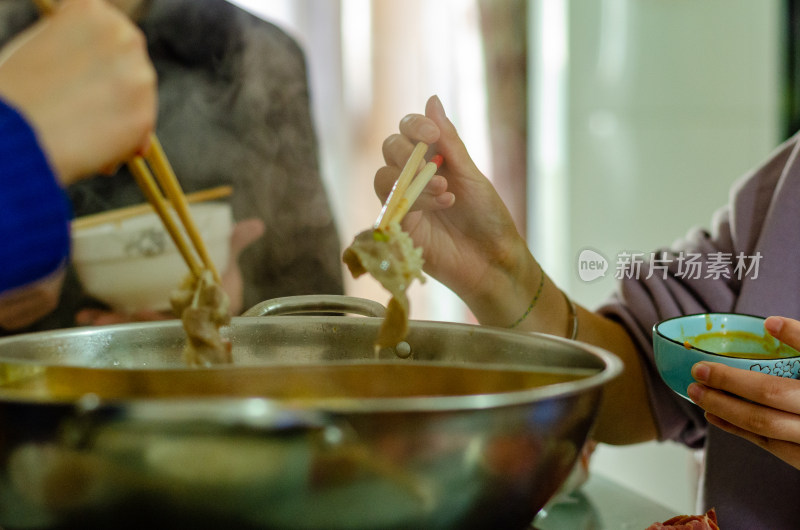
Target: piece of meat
(707, 521)
(390, 257)
(203, 307)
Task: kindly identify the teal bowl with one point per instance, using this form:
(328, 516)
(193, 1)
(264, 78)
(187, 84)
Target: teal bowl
(728, 338)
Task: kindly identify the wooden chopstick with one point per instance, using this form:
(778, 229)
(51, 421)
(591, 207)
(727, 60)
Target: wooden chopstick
(151, 191)
(415, 188)
(121, 214)
(172, 188)
(167, 181)
(400, 185)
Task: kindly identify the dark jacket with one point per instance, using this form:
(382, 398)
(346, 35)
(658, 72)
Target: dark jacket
(233, 109)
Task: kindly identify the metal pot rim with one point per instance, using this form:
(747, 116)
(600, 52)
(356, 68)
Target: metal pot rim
(612, 368)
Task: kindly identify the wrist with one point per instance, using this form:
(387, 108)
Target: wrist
(518, 294)
(507, 287)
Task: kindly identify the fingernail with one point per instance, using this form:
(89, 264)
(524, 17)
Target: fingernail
(438, 103)
(773, 325)
(428, 131)
(445, 199)
(700, 372)
(695, 392)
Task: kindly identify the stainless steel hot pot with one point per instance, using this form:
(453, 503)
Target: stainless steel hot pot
(460, 427)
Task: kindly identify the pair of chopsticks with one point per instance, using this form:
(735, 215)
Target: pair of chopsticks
(196, 260)
(408, 187)
(172, 195)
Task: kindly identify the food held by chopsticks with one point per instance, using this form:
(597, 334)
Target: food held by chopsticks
(387, 253)
(203, 307)
(200, 302)
(390, 257)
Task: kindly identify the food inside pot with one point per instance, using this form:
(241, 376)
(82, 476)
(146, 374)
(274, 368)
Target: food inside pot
(203, 307)
(310, 382)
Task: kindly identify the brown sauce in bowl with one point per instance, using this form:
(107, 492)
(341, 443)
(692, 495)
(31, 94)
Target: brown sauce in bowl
(742, 345)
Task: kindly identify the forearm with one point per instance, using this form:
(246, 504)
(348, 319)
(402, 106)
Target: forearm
(23, 306)
(521, 286)
(625, 414)
(517, 293)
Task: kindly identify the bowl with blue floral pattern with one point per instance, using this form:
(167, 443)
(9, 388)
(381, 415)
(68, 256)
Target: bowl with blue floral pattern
(734, 339)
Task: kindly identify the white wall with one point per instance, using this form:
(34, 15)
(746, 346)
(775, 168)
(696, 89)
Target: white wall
(663, 104)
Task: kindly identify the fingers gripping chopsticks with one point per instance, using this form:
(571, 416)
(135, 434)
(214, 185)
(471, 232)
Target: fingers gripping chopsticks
(407, 188)
(172, 195)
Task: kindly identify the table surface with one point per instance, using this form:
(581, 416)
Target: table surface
(602, 504)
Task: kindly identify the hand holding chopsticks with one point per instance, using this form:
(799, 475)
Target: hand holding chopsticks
(164, 193)
(408, 188)
(83, 80)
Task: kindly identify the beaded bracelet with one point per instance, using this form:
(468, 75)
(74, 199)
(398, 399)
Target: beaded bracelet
(533, 302)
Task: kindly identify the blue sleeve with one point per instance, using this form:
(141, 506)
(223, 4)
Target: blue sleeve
(34, 211)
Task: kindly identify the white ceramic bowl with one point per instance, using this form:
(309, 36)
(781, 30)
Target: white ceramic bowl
(133, 265)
